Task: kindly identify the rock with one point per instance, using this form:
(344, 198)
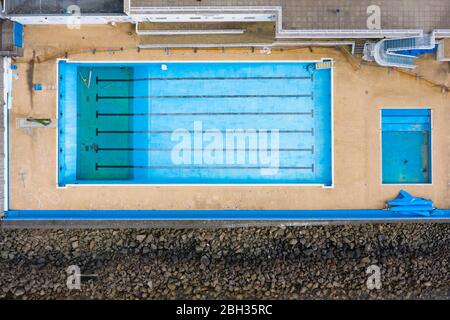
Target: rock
(4, 255)
(204, 260)
(171, 286)
(259, 263)
(141, 237)
(19, 292)
(365, 260)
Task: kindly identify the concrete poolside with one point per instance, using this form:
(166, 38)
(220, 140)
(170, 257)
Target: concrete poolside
(358, 97)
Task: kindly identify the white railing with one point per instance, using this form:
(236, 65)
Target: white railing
(442, 33)
(203, 9)
(127, 6)
(7, 102)
(349, 33)
(256, 45)
(203, 45)
(195, 17)
(188, 32)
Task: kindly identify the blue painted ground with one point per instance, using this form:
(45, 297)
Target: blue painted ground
(301, 215)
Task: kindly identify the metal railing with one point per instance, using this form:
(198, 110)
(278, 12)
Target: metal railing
(441, 33)
(188, 32)
(348, 33)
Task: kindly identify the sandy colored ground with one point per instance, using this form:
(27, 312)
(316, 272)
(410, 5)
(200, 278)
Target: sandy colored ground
(358, 97)
(446, 48)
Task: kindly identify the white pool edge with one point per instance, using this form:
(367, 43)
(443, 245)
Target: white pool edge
(71, 185)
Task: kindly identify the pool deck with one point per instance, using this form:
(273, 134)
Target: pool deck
(358, 97)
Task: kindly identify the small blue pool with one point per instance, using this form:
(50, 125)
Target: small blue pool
(406, 146)
(195, 123)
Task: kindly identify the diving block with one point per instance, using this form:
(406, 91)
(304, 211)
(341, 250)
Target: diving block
(23, 123)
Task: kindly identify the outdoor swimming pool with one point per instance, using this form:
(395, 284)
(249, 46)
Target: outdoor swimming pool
(406, 146)
(195, 123)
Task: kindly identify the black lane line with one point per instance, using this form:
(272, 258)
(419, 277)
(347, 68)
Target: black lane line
(202, 149)
(204, 78)
(100, 114)
(98, 166)
(97, 132)
(97, 97)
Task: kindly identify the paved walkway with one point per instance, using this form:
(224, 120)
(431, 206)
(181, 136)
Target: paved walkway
(321, 14)
(2, 154)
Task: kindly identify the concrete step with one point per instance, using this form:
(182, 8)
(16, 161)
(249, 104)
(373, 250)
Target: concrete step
(359, 46)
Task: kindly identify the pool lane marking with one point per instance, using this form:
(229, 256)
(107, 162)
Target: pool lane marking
(97, 97)
(100, 114)
(200, 149)
(97, 131)
(204, 78)
(98, 166)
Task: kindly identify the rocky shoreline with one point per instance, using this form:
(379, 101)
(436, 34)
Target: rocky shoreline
(313, 262)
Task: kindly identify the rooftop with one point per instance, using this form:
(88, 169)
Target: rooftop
(322, 14)
(297, 14)
(60, 6)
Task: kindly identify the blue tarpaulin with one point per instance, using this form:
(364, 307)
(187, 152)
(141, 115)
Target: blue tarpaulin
(18, 34)
(407, 204)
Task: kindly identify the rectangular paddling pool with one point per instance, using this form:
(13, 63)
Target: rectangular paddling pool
(195, 123)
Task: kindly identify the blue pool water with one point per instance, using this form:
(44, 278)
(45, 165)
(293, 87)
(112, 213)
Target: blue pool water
(406, 146)
(186, 123)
